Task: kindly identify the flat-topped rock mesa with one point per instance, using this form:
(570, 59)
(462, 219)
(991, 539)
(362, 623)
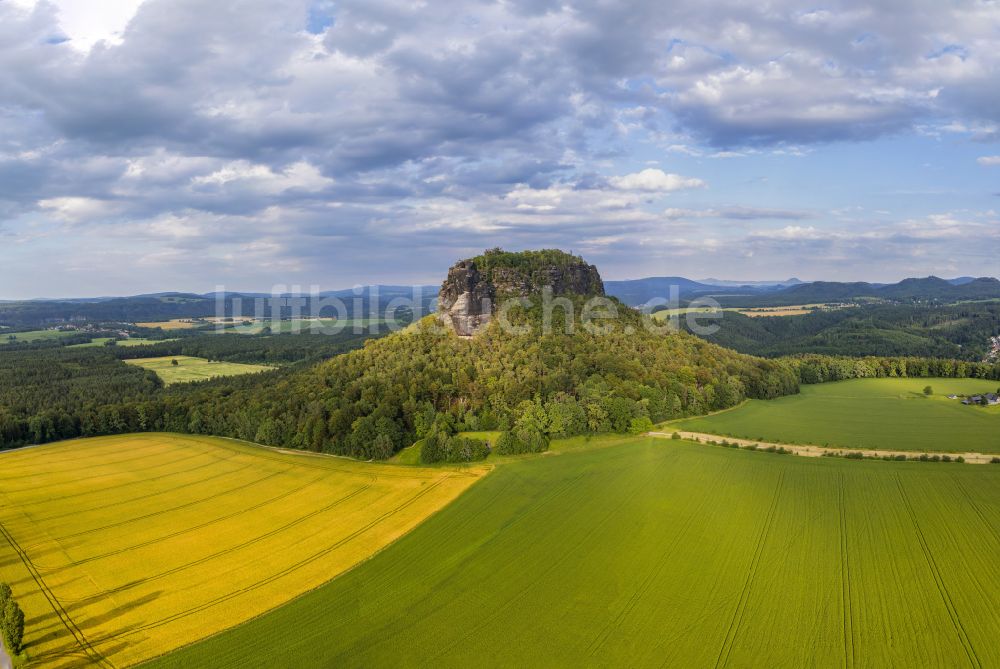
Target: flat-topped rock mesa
(475, 287)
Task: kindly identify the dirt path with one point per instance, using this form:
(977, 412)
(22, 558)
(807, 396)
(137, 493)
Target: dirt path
(819, 451)
(5, 661)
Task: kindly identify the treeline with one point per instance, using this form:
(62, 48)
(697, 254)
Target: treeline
(372, 402)
(275, 350)
(11, 620)
(821, 369)
(960, 331)
(51, 394)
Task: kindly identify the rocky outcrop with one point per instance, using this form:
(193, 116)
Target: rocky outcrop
(471, 294)
(466, 299)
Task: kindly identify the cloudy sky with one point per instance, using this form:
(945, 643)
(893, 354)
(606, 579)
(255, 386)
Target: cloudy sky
(150, 145)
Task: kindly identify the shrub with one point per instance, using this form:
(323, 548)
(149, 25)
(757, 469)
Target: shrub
(995, 461)
(960, 459)
(516, 442)
(676, 435)
(900, 457)
(928, 390)
(855, 455)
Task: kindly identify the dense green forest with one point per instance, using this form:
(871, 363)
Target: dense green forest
(52, 392)
(960, 331)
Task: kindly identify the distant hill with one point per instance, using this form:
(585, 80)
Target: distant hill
(929, 289)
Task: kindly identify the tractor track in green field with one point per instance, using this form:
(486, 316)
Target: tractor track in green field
(978, 510)
(850, 660)
(81, 639)
(737, 620)
(942, 588)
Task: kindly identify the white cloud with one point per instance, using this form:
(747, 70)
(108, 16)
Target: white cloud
(86, 22)
(989, 161)
(300, 176)
(78, 209)
(652, 180)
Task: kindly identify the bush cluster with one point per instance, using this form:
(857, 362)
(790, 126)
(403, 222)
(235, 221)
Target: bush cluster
(11, 620)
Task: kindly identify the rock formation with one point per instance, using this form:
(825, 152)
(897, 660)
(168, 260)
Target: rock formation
(471, 294)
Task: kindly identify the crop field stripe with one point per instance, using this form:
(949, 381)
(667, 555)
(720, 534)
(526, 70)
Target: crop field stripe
(845, 578)
(127, 484)
(974, 505)
(201, 526)
(647, 582)
(939, 580)
(30, 453)
(499, 608)
(92, 654)
(100, 476)
(88, 457)
(727, 645)
(234, 548)
(186, 505)
(166, 491)
(273, 577)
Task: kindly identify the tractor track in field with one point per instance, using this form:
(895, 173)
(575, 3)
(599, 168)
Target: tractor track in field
(231, 549)
(274, 577)
(979, 512)
(548, 569)
(81, 639)
(193, 528)
(186, 505)
(850, 644)
(74, 470)
(127, 484)
(737, 621)
(140, 498)
(942, 588)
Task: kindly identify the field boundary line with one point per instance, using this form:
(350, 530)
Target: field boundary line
(737, 621)
(949, 605)
(813, 451)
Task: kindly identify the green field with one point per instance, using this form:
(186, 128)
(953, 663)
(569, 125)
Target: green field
(37, 335)
(658, 553)
(140, 341)
(93, 343)
(193, 369)
(305, 325)
(867, 413)
(122, 548)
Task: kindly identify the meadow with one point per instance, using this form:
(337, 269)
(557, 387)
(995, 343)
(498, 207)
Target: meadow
(36, 335)
(193, 369)
(659, 553)
(140, 341)
(867, 413)
(123, 548)
(175, 324)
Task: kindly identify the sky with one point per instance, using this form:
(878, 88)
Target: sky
(159, 145)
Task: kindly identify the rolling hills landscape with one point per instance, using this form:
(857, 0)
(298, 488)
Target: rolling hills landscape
(498, 463)
(499, 334)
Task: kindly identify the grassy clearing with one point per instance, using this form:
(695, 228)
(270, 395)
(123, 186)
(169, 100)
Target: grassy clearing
(193, 369)
(140, 341)
(867, 413)
(93, 343)
(176, 324)
(36, 335)
(664, 553)
(123, 548)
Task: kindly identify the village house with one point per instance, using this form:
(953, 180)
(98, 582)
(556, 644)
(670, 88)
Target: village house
(991, 399)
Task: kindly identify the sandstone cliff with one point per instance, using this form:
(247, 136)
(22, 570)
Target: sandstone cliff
(474, 288)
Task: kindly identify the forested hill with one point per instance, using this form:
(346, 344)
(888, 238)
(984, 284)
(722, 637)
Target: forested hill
(929, 289)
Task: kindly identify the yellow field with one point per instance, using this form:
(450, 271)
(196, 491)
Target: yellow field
(176, 324)
(193, 369)
(124, 548)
